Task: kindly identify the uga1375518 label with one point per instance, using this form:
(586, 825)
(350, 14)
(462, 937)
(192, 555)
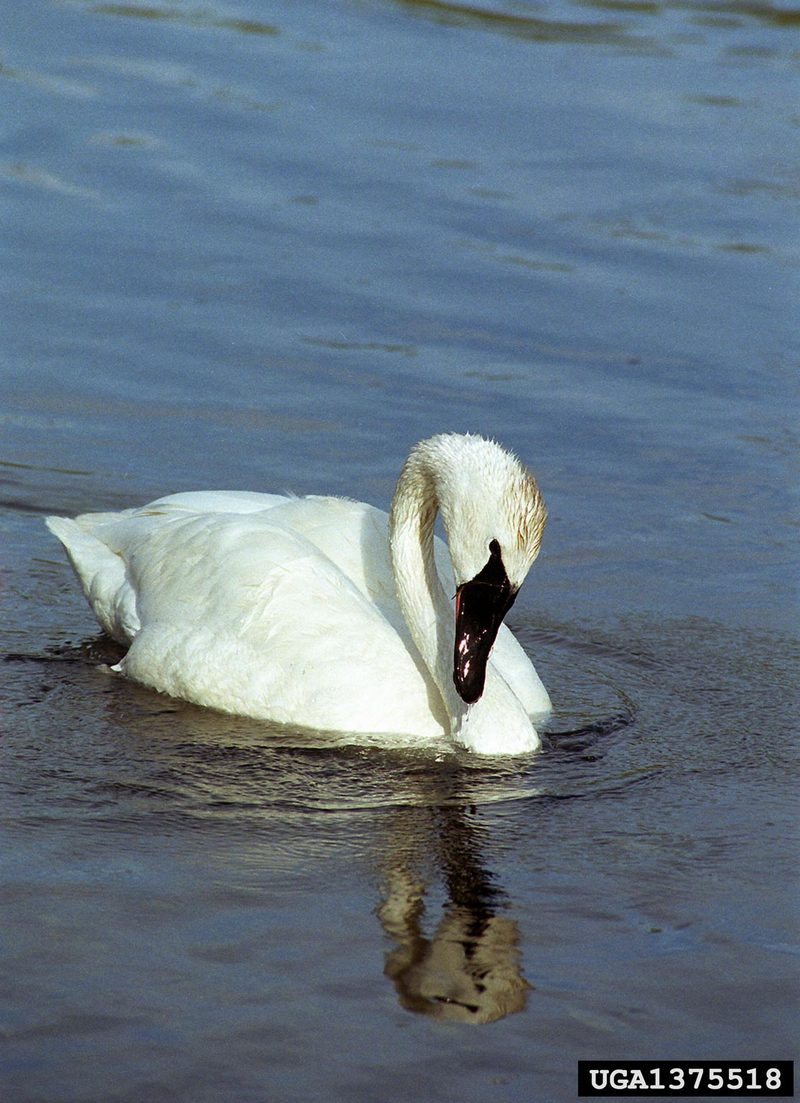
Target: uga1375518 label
(684, 1079)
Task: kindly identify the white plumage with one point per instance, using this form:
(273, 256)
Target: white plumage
(322, 612)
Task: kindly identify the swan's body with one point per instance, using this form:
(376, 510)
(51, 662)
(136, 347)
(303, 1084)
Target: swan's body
(327, 613)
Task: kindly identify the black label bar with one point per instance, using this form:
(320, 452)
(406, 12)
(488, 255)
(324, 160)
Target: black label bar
(684, 1079)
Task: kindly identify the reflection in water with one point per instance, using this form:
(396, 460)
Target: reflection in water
(532, 28)
(162, 13)
(617, 31)
(469, 970)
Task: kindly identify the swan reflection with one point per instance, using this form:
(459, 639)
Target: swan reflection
(469, 968)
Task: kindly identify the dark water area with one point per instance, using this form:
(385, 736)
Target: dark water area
(270, 246)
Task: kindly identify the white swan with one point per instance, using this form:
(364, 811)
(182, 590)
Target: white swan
(326, 613)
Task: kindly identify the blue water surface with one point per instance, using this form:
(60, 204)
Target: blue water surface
(270, 245)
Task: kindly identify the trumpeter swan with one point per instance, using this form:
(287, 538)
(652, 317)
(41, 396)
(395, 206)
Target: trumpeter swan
(330, 614)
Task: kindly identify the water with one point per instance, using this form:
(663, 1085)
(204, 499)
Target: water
(269, 246)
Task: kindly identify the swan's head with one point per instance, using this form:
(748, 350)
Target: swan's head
(494, 515)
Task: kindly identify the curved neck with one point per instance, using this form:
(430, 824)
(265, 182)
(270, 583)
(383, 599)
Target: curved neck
(496, 723)
(427, 610)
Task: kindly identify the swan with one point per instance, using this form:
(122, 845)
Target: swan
(326, 613)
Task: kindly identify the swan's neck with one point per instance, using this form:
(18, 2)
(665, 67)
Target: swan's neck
(427, 610)
(496, 723)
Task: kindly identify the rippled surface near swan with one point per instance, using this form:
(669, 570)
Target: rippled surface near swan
(269, 246)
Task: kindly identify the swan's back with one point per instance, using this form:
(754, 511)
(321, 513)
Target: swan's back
(99, 546)
(240, 611)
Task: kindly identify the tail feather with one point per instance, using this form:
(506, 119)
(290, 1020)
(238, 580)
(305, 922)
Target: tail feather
(102, 576)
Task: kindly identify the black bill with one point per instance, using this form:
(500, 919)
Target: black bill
(481, 605)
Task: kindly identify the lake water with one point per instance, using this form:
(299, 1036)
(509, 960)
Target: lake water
(270, 245)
